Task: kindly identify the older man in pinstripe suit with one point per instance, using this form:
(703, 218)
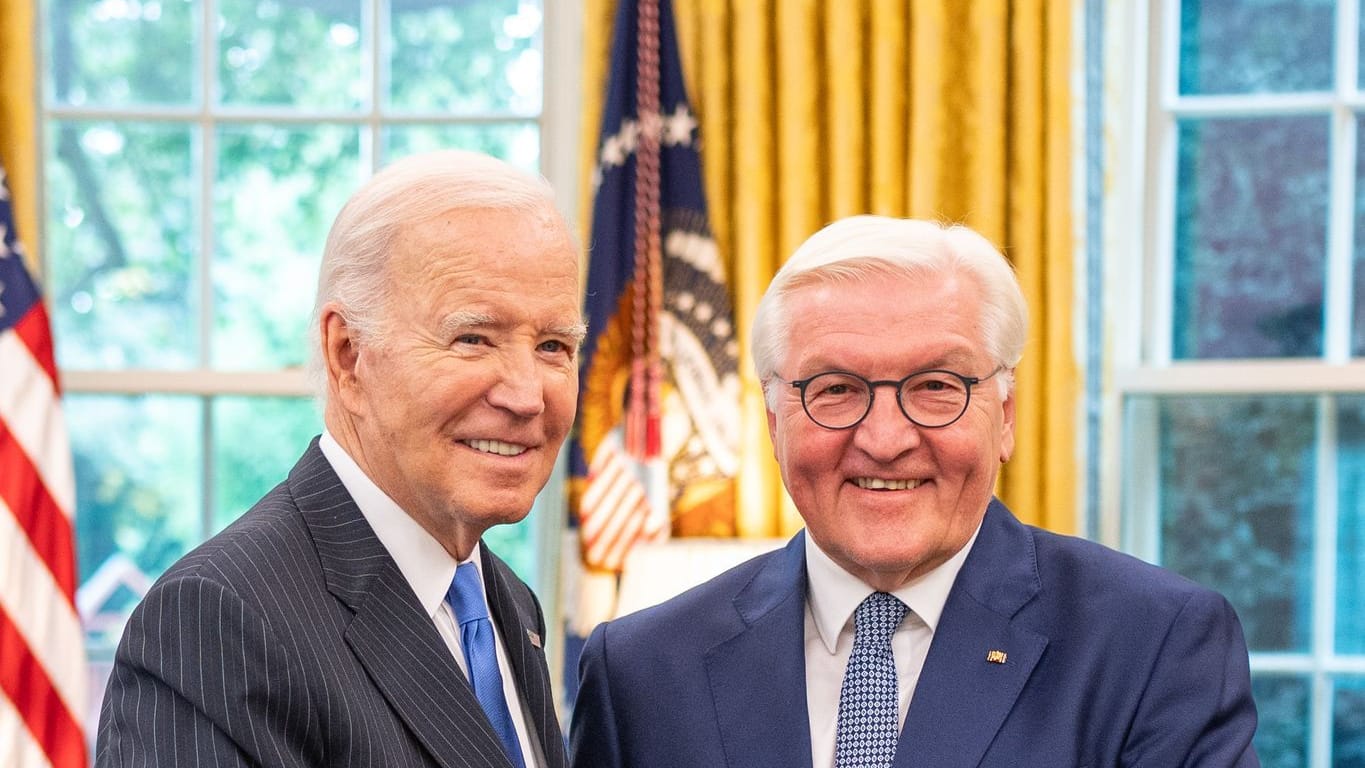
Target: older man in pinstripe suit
(321, 628)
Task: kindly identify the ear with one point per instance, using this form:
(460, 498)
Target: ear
(1007, 428)
(340, 356)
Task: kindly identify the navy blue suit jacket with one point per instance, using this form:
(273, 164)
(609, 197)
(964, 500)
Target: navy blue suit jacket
(1109, 661)
(292, 639)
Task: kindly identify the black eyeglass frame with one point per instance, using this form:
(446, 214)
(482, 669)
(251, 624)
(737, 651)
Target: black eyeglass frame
(967, 382)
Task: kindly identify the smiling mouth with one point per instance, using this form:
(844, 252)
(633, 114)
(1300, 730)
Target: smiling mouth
(878, 484)
(496, 447)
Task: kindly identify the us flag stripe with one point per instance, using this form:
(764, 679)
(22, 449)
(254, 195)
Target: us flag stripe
(46, 717)
(42, 660)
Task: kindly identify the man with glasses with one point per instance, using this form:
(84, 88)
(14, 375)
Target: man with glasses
(915, 621)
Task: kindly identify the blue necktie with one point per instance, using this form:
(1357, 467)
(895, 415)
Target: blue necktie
(868, 704)
(481, 657)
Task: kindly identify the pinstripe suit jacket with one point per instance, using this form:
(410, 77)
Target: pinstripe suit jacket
(292, 639)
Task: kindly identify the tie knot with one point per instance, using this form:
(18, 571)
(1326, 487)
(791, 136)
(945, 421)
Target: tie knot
(466, 594)
(877, 616)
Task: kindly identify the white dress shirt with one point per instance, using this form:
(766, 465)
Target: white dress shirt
(833, 594)
(429, 570)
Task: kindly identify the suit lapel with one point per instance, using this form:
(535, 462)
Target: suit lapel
(758, 677)
(978, 661)
(518, 623)
(391, 636)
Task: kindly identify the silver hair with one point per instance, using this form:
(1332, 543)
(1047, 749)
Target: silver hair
(408, 192)
(873, 247)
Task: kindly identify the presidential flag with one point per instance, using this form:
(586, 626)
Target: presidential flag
(42, 661)
(656, 448)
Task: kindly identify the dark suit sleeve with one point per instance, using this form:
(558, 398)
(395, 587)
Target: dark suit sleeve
(198, 680)
(1197, 708)
(594, 738)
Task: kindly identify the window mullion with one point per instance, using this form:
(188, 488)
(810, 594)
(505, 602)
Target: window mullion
(1337, 293)
(208, 510)
(1142, 521)
(1160, 290)
(207, 144)
(208, 99)
(1324, 551)
(1337, 298)
(377, 15)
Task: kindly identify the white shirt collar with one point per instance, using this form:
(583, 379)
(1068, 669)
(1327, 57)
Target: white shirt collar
(424, 563)
(834, 593)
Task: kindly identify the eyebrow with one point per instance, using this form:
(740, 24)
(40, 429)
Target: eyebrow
(953, 361)
(464, 320)
(576, 331)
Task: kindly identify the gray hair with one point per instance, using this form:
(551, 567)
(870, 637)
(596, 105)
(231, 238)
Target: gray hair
(408, 192)
(871, 247)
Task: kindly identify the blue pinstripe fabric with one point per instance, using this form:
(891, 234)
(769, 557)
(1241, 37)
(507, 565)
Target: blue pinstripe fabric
(292, 639)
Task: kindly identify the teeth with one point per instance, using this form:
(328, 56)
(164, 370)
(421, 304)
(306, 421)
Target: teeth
(496, 446)
(878, 484)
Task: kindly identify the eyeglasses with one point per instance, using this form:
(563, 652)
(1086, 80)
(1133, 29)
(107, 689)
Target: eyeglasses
(930, 399)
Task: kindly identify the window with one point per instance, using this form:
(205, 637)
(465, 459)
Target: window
(1235, 419)
(194, 154)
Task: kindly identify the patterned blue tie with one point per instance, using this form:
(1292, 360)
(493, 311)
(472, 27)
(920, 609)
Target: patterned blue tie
(481, 658)
(868, 704)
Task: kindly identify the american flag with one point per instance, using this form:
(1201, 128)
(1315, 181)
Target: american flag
(657, 438)
(42, 659)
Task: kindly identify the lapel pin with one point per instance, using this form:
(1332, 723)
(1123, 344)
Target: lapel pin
(535, 639)
(996, 657)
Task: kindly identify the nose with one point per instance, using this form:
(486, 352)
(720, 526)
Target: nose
(886, 433)
(519, 388)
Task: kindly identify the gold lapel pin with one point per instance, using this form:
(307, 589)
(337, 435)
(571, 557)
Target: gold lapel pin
(535, 639)
(996, 657)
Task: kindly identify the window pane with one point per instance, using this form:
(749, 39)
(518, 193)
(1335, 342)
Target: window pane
(121, 232)
(1351, 526)
(256, 441)
(1256, 47)
(517, 143)
(1348, 723)
(304, 53)
(109, 54)
(1239, 521)
(277, 192)
(468, 57)
(1250, 237)
(1282, 729)
(139, 491)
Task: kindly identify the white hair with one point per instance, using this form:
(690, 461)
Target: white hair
(416, 189)
(874, 247)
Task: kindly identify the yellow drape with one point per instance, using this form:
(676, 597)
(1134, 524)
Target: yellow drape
(811, 110)
(18, 97)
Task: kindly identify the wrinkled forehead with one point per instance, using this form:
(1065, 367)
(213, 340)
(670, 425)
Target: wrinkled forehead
(832, 291)
(480, 235)
(891, 309)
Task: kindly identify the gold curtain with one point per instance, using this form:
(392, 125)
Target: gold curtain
(811, 110)
(18, 97)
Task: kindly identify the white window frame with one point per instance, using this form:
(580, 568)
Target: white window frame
(558, 121)
(1141, 106)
